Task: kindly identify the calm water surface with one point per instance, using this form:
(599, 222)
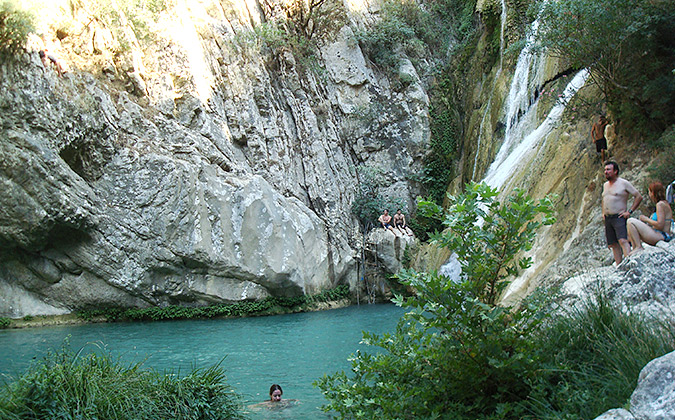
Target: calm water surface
(291, 350)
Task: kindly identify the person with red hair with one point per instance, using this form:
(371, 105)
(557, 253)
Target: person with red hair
(655, 228)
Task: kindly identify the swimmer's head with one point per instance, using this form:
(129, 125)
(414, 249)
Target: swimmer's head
(275, 393)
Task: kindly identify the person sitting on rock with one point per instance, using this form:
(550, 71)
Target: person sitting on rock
(399, 223)
(48, 57)
(385, 219)
(655, 228)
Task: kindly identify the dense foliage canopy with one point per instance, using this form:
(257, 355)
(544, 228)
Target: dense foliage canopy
(629, 45)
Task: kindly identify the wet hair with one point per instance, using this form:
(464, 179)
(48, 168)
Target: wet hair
(42, 53)
(657, 189)
(398, 210)
(614, 165)
(274, 387)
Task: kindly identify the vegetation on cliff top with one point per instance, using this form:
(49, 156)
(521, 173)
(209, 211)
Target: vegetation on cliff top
(15, 25)
(629, 47)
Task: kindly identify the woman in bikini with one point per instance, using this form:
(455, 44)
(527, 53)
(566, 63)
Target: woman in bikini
(655, 228)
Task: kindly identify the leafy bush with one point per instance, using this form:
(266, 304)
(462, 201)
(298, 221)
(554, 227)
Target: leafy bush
(65, 385)
(423, 223)
(5, 322)
(15, 25)
(418, 30)
(294, 26)
(457, 353)
(307, 19)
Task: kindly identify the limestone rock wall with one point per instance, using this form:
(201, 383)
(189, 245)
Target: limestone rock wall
(194, 169)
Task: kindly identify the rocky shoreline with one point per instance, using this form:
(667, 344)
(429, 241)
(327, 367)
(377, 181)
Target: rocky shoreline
(39, 321)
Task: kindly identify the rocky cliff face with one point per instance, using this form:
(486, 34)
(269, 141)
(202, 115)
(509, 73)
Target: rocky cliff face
(524, 100)
(194, 169)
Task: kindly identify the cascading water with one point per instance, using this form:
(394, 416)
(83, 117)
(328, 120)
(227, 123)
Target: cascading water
(524, 140)
(523, 135)
(502, 30)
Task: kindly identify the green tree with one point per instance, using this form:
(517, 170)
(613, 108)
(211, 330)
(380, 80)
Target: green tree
(369, 201)
(456, 354)
(15, 25)
(629, 48)
(300, 22)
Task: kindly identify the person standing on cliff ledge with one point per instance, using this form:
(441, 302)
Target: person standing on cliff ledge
(598, 137)
(615, 193)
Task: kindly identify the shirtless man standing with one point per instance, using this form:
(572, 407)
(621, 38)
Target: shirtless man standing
(615, 194)
(598, 136)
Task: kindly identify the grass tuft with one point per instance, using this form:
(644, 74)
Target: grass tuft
(68, 385)
(596, 353)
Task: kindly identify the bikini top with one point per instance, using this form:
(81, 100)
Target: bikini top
(655, 218)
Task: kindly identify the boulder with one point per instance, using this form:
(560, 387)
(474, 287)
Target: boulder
(616, 414)
(387, 248)
(654, 396)
(642, 282)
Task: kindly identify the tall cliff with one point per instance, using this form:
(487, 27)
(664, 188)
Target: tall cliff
(193, 168)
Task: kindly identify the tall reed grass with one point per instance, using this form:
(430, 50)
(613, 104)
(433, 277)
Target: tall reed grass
(595, 354)
(68, 386)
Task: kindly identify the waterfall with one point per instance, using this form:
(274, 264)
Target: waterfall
(523, 136)
(524, 141)
(488, 108)
(502, 30)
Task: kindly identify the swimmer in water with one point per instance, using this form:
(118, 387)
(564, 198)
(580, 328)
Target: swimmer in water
(275, 401)
(275, 393)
